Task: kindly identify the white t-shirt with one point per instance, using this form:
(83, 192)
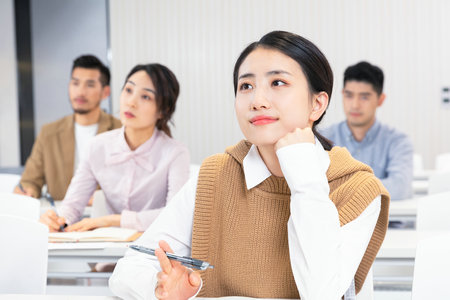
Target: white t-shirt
(83, 134)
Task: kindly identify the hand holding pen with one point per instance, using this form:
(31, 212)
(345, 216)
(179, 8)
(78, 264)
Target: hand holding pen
(51, 218)
(175, 281)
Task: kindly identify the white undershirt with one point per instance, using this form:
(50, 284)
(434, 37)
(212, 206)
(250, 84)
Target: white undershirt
(83, 134)
(328, 255)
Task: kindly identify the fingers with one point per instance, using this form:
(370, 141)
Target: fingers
(304, 135)
(50, 219)
(194, 279)
(164, 262)
(84, 225)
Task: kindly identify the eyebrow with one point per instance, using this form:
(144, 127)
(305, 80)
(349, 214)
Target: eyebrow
(147, 89)
(270, 73)
(89, 80)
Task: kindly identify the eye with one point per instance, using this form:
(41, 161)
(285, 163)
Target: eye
(245, 86)
(128, 90)
(146, 97)
(278, 83)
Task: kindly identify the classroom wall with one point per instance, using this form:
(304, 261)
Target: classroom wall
(61, 31)
(201, 39)
(9, 110)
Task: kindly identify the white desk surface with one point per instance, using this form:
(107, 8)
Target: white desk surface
(68, 297)
(407, 207)
(420, 187)
(402, 244)
(423, 174)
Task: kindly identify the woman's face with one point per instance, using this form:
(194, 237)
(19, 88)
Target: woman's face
(272, 97)
(138, 108)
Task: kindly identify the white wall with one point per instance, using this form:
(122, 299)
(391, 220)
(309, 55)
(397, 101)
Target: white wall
(61, 31)
(9, 110)
(200, 40)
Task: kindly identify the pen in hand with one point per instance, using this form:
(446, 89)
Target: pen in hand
(185, 260)
(50, 199)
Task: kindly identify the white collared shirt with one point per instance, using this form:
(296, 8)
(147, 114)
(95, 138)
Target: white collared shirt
(328, 255)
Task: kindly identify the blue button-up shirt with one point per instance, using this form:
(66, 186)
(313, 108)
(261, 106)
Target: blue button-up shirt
(388, 151)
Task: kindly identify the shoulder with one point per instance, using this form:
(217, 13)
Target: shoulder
(107, 136)
(57, 126)
(109, 121)
(393, 135)
(170, 145)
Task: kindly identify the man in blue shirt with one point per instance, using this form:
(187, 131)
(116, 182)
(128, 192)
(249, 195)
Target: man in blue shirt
(388, 151)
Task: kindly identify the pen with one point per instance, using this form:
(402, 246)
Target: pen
(52, 203)
(185, 260)
(22, 189)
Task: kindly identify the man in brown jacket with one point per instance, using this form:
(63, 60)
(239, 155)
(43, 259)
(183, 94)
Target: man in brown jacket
(61, 144)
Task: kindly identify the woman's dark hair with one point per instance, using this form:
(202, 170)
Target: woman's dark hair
(167, 91)
(315, 66)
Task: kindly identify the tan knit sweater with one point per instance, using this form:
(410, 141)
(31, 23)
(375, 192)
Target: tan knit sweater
(243, 233)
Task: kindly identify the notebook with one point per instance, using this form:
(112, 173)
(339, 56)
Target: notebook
(103, 234)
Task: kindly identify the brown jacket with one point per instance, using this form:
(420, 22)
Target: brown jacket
(52, 159)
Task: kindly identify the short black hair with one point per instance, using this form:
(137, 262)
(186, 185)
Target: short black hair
(366, 72)
(92, 62)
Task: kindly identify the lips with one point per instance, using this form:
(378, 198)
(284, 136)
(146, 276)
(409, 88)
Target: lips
(263, 120)
(128, 115)
(80, 100)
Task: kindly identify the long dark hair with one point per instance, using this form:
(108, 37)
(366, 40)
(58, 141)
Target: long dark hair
(167, 91)
(313, 63)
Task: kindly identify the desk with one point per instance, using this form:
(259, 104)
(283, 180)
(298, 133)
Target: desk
(420, 187)
(83, 254)
(394, 263)
(423, 174)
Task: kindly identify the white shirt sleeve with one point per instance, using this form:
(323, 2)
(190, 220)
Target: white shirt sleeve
(134, 276)
(324, 256)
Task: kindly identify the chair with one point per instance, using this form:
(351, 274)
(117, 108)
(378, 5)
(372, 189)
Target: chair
(431, 268)
(366, 292)
(442, 162)
(193, 170)
(8, 182)
(439, 182)
(433, 212)
(19, 206)
(417, 162)
(24, 255)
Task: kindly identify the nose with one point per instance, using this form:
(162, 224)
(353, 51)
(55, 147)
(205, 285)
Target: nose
(259, 100)
(131, 101)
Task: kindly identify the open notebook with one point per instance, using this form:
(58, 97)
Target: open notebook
(104, 234)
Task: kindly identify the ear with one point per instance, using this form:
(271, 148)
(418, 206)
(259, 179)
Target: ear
(106, 92)
(381, 99)
(319, 105)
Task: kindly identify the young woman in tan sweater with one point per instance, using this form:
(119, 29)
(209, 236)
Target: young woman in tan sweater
(282, 214)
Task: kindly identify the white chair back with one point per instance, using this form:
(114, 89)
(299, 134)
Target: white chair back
(439, 182)
(8, 182)
(431, 268)
(366, 292)
(23, 256)
(417, 162)
(99, 207)
(193, 170)
(433, 212)
(19, 206)
(442, 162)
